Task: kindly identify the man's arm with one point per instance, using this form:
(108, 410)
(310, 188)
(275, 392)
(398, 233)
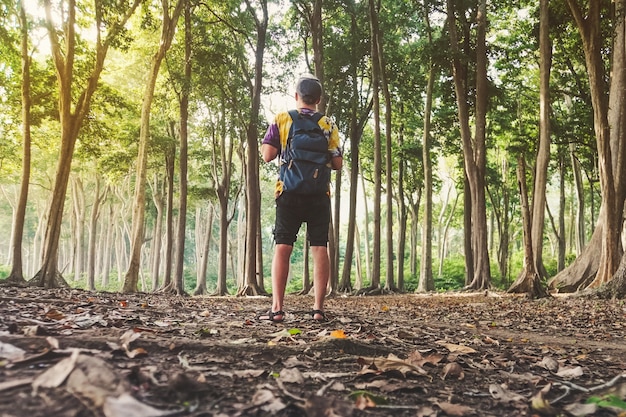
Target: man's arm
(336, 162)
(268, 152)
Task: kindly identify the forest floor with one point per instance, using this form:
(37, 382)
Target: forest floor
(77, 353)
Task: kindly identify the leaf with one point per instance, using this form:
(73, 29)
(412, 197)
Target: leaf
(393, 363)
(455, 409)
(606, 401)
(503, 395)
(127, 406)
(569, 372)
(368, 397)
(295, 331)
(55, 376)
(456, 348)
(10, 352)
(453, 370)
(338, 334)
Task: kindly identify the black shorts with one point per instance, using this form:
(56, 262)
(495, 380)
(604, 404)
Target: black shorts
(294, 209)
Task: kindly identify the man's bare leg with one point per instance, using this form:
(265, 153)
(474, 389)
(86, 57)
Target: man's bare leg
(321, 274)
(280, 273)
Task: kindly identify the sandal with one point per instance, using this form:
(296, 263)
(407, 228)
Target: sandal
(271, 316)
(321, 313)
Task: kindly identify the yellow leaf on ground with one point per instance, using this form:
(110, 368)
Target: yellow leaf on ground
(338, 334)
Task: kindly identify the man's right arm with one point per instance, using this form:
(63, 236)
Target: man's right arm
(268, 152)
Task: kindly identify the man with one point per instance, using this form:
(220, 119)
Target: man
(295, 206)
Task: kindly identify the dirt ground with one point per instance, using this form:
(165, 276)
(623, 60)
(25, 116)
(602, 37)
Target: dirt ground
(75, 353)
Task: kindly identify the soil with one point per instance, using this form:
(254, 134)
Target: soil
(76, 353)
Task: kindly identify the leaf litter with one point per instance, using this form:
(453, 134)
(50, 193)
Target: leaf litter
(76, 353)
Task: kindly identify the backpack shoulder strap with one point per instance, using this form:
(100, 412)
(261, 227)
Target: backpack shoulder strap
(295, 115)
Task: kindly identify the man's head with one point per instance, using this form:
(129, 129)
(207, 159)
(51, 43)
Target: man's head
(309, 89)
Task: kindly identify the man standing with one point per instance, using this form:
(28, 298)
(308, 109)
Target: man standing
(307, 144)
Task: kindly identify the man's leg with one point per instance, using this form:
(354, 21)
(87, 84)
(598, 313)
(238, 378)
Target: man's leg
(280, 273)
(321, 274)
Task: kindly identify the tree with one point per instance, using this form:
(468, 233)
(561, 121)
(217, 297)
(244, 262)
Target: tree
(253, 262)
(17, 275)
(109, 25)
(137, 238)
(601, 258)
(529, 280)
(474, 149)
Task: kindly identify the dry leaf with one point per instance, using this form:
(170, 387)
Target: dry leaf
(502, 394)
(549, 363)
(10, 352)
(127, 406)
(456, 348)
(453, 370)
(338, 334)
(55, 376)
(292, 375)
(455, 409)
(317, 406)
(569, 372)
(393, 363)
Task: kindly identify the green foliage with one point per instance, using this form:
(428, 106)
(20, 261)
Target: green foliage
(608, 401)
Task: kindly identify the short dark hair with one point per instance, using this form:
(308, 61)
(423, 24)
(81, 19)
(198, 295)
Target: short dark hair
(309, 89)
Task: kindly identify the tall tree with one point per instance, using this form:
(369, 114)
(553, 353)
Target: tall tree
(529, 280)
(253, 261)
(171, 13)
(601, 258)
(179, 287)
(426, 280)
(17, 274)
(474, 149)
(110, 20)
(375, 69)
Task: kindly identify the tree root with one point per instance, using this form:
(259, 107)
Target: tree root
(14, 280)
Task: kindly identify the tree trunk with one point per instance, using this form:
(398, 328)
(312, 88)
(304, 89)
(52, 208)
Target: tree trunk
(528, 281)
(543, 149)
(376, 250)
(426, 280)
(204, 230)
(78, 197)
(157, 199)
(253, 209)
(137, 235)
(170, 157)
(16, 277)
(93, 226)
(474, 150)
(179, 279)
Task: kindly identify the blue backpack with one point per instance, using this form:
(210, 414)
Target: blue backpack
(305, 168)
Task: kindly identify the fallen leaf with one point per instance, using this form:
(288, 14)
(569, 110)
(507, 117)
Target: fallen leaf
(267, 401)
(10, 352)
(456, 348)
(56, 375)
(326, 406)
(127, 406)
(502, 394)
(393, 363)
(455, 409)
(581, 410)
(54, 314)
(539, 404)
(549, 363)
(338, 334)
(291, 375)
(569, 372)
(454, 370)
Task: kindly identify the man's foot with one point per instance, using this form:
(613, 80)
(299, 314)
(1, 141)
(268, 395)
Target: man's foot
(318, 315)
(273, 316)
